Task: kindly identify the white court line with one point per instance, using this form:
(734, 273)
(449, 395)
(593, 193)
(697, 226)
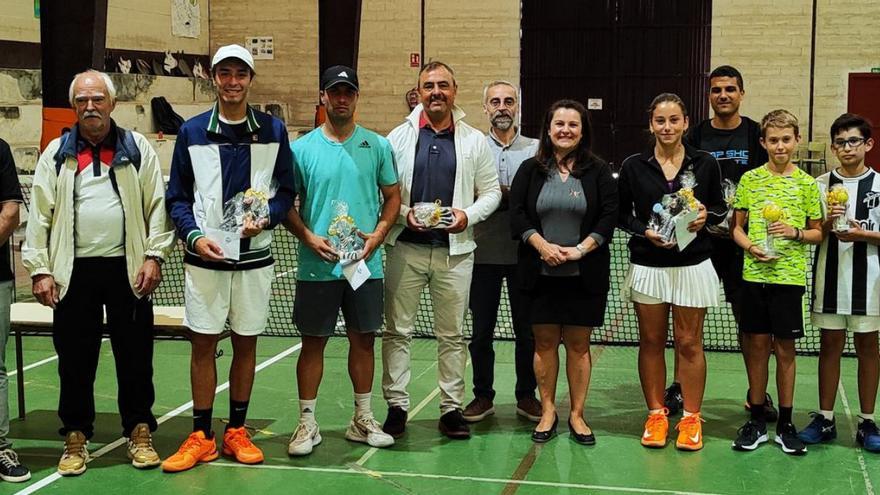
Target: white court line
(392, 474)
(421, 405)
(427, 400)
(41, 362)
(869, 487)
(183, 407)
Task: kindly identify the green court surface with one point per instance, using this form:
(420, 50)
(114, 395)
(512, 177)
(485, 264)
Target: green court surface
(499, 458)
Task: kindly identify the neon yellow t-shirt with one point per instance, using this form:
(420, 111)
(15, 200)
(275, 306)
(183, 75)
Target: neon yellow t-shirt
(798, 196)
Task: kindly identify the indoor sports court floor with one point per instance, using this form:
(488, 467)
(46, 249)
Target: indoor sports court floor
(499, 459)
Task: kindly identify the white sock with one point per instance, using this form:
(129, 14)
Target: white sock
(829, 415)
(307, 410)
(655, 411)
(864, 416)
(688, 413)
(362, 405)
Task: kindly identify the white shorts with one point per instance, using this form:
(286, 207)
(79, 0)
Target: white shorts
(210, 294)
(689, 286)
(853, 323)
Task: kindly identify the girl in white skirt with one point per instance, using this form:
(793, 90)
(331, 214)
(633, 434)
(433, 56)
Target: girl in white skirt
(664, 277)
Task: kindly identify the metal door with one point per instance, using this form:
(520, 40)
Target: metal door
(614, 56)
(864, 89)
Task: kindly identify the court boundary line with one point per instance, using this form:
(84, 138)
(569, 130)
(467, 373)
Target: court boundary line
(48, 480)
(399, 474)
(40, 362)
(421, 405)
(869, 487)
(531, 457)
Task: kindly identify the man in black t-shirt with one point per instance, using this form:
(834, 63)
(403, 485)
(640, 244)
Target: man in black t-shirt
(734, 140)
(10, 197)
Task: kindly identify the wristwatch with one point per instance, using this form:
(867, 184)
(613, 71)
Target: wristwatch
(156, 259)
(581, 249)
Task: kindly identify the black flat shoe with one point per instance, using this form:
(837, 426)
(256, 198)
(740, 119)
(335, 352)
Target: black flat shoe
(581, 438)
(544, 436)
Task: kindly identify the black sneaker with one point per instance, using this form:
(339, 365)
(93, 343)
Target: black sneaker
(453, 425)
(750, 436)
(868, 436)
(395, 423)
(819, 430)
(787, 438)
(770, 413)
(672, 399)
(10, 469)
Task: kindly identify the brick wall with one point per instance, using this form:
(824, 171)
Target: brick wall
(772, 50)
(479, 40)
(131, 25)
(847, 40)
(292, 77)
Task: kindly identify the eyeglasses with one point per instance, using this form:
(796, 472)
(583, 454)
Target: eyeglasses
(853, 142)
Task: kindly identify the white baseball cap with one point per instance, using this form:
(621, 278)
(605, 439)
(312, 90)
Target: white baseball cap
(233, 51)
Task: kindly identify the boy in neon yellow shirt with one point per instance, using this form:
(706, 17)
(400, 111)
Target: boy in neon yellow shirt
(781, 201)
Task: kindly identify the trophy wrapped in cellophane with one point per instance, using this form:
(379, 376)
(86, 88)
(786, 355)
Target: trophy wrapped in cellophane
(252, 204)
(722, 229)
(433, 216)
(343, 233)
(673, 206)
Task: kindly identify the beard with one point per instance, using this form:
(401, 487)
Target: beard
(501, 121)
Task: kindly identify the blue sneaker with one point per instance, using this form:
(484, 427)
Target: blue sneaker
(868, 436)
(819, 430)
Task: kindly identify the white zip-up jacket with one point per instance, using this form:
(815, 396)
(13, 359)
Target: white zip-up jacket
(49, 238)
(477, 192)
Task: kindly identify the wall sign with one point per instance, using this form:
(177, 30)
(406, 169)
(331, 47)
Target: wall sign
(261, 47)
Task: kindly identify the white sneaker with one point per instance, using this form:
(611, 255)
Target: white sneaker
(365, 429)
(306, 437)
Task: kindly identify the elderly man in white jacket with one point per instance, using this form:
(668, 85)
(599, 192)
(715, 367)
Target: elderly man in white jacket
(442, 160)
(96, 238)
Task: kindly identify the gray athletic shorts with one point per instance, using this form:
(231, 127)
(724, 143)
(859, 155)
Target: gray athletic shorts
(317, 304)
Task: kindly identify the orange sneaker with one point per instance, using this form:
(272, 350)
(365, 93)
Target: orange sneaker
(690, 433)
(655, 429)
(195, 449)
(237, 442)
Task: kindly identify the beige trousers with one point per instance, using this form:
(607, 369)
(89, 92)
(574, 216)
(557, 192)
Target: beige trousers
(409, 268)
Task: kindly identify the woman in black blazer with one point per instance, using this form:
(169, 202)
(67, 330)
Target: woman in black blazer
(563, 210)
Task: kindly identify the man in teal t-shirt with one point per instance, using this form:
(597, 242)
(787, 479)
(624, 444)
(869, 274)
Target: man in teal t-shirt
(341, 169)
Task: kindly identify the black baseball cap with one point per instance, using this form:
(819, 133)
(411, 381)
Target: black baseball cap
(339, 74)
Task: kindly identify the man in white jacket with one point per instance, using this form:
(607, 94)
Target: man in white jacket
(441, 160)
(97, 236)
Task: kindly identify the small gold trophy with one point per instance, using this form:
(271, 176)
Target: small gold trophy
(771, 213)
(839, 196)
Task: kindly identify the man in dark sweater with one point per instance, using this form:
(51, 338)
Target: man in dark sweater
(733, 140)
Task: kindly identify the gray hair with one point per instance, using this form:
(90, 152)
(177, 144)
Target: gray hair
(111, 89)
(499, 82)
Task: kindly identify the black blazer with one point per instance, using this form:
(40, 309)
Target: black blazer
(600, 191)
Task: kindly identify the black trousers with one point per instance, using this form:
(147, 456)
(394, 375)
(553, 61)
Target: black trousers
(484, 300)
(98, 283)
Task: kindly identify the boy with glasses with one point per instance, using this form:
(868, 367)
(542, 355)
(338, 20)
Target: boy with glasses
(846, 277)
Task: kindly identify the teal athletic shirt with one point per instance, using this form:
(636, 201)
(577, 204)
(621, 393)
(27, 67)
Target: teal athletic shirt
(351, 171)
